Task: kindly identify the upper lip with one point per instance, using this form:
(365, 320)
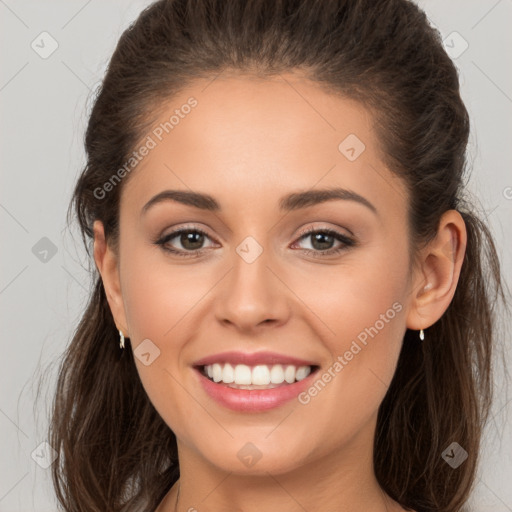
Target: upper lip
(252, 359)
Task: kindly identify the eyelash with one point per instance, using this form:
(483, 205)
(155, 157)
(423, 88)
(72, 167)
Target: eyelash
(345, 240)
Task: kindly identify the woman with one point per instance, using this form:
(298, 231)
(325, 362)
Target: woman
(293, 308)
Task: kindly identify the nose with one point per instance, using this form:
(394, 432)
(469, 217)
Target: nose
(254, 293)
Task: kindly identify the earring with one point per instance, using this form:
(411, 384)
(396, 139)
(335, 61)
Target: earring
(121, 339)
(422, 335)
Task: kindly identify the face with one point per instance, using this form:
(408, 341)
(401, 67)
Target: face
(325, 282)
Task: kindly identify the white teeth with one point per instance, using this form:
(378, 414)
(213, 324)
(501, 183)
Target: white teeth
(302, 372)
(289, 374)
(259, 375)
(228, 374)
(242, 374)
(277, 374)
(217, 372)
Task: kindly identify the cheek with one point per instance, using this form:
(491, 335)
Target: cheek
(367, 289)
(159, 295)
(161, 301)
(360, 309)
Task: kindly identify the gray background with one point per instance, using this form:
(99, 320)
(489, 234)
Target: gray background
(44, 106)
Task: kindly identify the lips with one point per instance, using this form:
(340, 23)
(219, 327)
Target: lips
(253, 359)
(253, 400)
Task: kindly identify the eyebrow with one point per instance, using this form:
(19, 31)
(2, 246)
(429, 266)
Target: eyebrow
(294, 201)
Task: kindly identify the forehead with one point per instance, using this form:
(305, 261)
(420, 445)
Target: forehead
(254, 138)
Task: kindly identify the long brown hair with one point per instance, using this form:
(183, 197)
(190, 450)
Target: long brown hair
(114, 450)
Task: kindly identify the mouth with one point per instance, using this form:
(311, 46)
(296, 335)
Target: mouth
(261, 376)
(254, 382)
(254, 389)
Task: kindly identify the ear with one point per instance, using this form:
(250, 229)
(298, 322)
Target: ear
(107, 263)
(437, 272)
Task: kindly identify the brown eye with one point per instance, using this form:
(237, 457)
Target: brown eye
(190, 241)
(322, 241)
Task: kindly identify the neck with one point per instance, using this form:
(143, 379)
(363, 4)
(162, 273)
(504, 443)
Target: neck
(341, 480)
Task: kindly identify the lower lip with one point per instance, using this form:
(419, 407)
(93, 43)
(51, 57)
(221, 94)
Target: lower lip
(253, 400)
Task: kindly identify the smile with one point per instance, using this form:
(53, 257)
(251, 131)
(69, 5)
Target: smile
(252, 397)
(242, 376)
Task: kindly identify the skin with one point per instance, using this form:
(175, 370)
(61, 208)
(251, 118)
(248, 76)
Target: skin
(248, 143)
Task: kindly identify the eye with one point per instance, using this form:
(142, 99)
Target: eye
(322, 241)
(191, 240)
